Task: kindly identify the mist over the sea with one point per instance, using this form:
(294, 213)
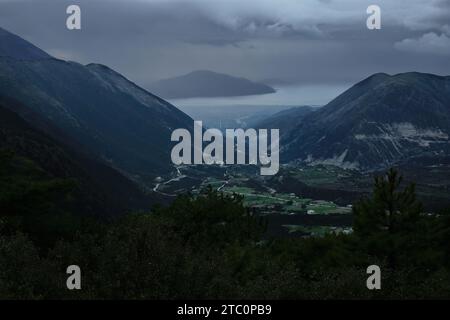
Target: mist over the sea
(293, 95)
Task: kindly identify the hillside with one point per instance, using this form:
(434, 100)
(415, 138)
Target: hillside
(96, 189)
(110, 116)
(17, 48)
(286, 118)
(376, 123)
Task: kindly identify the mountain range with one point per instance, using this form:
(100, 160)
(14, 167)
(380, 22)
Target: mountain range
(100, 117)
(205, 83)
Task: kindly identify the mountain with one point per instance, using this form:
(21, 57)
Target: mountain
(207, 84)
(17, 48)
(98, 190)
(101, 110)
(376, 123)
(285, 118)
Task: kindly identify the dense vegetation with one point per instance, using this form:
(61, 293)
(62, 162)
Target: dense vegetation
(210, 247)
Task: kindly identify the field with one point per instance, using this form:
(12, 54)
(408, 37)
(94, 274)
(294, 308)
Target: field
(302, 200)
(310, 216)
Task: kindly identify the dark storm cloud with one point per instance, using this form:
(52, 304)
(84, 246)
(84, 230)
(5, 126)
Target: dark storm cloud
(308, 41)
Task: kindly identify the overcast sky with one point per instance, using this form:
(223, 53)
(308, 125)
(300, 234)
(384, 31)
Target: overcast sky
(306, 41)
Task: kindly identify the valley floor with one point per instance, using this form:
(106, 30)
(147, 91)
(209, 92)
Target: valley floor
(301, 200)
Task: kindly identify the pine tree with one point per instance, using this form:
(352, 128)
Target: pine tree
(390, 209)
(387, 222)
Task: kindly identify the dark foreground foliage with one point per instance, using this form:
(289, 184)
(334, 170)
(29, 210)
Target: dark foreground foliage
(210, 247)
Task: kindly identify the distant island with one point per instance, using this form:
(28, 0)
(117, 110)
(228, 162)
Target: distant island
(207, 84)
